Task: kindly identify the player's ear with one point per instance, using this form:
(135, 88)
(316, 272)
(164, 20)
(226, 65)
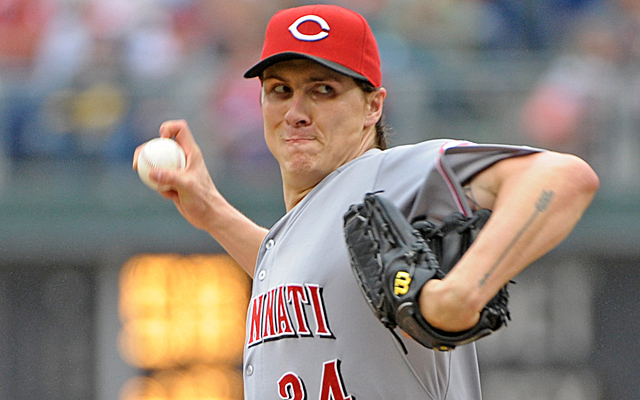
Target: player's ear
(375, 100)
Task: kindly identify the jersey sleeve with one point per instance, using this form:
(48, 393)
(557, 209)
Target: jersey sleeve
(465, 159)
(456, 163)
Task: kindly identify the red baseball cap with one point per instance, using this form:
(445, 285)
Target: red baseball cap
(335, 37)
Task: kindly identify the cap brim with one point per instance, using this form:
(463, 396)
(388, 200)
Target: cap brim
(257, 69)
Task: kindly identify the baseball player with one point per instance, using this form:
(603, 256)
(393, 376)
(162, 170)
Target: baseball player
(310, 334)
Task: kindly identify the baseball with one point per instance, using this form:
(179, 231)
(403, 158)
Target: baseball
(159, 153)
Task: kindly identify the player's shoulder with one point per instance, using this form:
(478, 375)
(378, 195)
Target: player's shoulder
(435, 149)
(427, 146)
(458, 146)
(446, 148)
(433, 145)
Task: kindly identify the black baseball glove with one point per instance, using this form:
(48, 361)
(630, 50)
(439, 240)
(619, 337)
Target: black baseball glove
(392, 260)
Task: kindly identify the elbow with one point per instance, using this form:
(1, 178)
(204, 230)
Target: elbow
(584, 177)
(576, 175)
(593, 182)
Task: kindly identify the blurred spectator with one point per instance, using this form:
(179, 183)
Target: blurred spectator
(436, 25)
(152, 49)
(483, 24)
(236, 126)
(150, 54)
(97, 77)
(234, 115)
(591, 89)
(95, 106)
(65, 48)
(95, 55)
(527, 25)
(22, 26)
(368, 8)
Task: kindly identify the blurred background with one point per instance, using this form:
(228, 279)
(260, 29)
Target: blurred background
(106, 293)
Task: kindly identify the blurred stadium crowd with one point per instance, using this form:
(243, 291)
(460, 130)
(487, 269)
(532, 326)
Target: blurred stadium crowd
(91, 79)
(83, 82)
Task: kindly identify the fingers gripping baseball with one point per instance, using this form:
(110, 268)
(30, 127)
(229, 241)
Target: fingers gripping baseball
(172, 181)
(190, 188)
(169, 179)
(179, 130)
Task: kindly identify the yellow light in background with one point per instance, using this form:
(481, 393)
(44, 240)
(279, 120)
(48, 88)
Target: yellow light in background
(195, 383)
(143, 290)
(183, 319)
(144, 343)
(143, 388)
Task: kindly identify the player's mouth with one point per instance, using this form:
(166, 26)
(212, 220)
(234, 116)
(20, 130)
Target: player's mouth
(299, 139)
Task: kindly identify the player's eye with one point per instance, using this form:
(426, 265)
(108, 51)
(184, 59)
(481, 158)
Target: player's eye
(280, 89)
(324, 89)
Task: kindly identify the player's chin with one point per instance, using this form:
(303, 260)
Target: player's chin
(301, 163)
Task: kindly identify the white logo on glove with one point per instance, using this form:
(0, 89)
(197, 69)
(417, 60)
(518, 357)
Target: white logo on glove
(310, 38)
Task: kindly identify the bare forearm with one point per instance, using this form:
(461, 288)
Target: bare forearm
(534, 211)
(239, 236)
(536, 203)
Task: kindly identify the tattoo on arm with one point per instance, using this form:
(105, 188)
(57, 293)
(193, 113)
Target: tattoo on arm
(541, 206)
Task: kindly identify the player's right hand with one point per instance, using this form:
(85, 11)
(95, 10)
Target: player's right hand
(191, 189)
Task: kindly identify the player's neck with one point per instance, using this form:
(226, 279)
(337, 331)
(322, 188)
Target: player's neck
(292, 197)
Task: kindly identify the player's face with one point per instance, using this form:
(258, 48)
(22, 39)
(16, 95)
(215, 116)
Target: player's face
(315, 120)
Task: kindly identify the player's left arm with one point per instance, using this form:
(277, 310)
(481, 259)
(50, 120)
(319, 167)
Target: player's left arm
(536, 201)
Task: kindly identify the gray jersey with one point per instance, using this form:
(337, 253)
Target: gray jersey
(310, 333)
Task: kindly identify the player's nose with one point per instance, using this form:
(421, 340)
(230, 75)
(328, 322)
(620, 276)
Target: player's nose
(298, 111)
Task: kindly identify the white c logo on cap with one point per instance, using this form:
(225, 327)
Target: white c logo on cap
(310, 38)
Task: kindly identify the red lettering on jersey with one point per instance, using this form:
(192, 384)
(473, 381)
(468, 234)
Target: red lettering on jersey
(291, 387)
(333, 387)
(270, 315)
(298, 297)
(322, 326)
(284, 321)
(269, 324)
(255, 328)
